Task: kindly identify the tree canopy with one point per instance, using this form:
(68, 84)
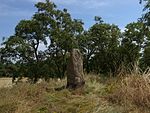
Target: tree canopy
(104, 46)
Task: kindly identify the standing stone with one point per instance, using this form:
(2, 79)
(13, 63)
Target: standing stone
(75, 70)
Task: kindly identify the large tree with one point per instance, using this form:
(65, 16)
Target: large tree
(48, 25)
(99, 46)
(132, 43)
(63, 32)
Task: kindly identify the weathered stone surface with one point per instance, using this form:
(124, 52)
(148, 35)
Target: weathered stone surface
(75, 70)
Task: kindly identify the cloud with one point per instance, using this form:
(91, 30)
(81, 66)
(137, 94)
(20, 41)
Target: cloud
(26, 0)
(8, 10)
(95, 3)
(77, 3)
(65, 2)
(16, 13)
(82, 3)
(35, 0)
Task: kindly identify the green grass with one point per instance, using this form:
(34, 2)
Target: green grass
(97, 96)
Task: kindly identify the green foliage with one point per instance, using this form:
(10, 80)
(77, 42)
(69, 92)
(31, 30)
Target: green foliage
(48, 24)
(62, 30)
(132, 44)
(100, 46)
(105, 48)
(145, 18)
(145, 61)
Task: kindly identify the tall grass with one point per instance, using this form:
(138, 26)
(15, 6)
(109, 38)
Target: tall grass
(133, 90)
(126, 93)
(43, 98)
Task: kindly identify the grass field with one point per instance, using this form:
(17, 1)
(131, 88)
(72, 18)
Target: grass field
(129, 94)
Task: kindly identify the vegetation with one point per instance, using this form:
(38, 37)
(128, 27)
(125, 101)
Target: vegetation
(104, 47)
(128, 94)
(118, 60)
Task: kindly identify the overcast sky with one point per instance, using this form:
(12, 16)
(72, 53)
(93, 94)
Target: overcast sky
(119, 12)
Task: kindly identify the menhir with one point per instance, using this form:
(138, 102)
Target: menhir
(75, 70)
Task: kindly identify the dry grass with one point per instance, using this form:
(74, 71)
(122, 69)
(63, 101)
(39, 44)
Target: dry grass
(42, 98)
(5, 82)
(133, 92)
(128, 94)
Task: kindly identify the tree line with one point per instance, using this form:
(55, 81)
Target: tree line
(105, 48)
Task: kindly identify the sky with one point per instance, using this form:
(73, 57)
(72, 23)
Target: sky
(118, 12)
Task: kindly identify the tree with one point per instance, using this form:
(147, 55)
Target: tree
(23, 47)
(33, 33)
(132, 43)
(48, 24)
(99, 45)
(146, 16)
(63, 32)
